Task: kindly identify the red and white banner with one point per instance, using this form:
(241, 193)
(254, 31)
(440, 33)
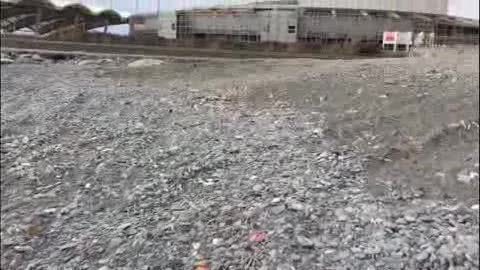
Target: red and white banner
(390, 37)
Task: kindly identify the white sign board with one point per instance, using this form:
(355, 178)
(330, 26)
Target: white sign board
(404, 38)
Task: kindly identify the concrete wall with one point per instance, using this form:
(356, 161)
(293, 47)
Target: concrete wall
(151, 23)
(277, 23)
(269, 25)
(167, 27)
(223, 22)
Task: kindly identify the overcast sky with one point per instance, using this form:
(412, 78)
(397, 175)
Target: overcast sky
(463, 8)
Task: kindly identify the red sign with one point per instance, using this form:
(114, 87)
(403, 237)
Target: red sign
(390, 36)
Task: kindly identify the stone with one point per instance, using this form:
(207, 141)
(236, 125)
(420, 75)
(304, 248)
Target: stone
(464, 178)
(217, 241)
(304, 241)
(139, 125)
(6, 61)
(276, 200)
(87, 62)
(258, 187)
(104, 61)
(411, 217)
(295, 205)
(68, 246)
(423, 256)
(37, 58)
(278, 209)
(390, 81)
(115, 243)
(23, 249)
(196, 246)
(125, 226)
(145, 63)
(341, 215)
(50, 211)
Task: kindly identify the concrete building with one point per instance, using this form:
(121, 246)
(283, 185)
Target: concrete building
(143, 25)
(167, 26)
(322, 22)
(161, 25)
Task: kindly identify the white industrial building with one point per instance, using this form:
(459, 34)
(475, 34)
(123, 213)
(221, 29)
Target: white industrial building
(328, 22)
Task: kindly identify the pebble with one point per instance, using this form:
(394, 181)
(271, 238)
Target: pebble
(50, 211)
(145, 63)
(423, 256)
(341, 215)
(389, 81)
(295, 205)
(68, 246)
(410, 218)
(23, 248)
(216, 241)
(276, 200)
(125, 226)
(6, 61)
(304, 241)
(329, 251)
(37, 58)
(196, 246)
(258, 187)
(115, 243)
(464, 178)
(278, 209)
(401, 221)
(87, 62)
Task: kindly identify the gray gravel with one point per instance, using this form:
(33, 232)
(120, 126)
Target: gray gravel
(105, 173)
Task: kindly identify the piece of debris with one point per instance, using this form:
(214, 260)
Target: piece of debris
(201, 264)
(145, 63)
(258, 237)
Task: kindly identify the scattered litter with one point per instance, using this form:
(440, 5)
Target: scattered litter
(258, 237)
(201, 264)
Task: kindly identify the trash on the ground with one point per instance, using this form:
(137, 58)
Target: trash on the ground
(201, 264)
(258, 237)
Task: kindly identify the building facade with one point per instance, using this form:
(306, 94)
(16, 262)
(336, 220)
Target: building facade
(327, 22)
